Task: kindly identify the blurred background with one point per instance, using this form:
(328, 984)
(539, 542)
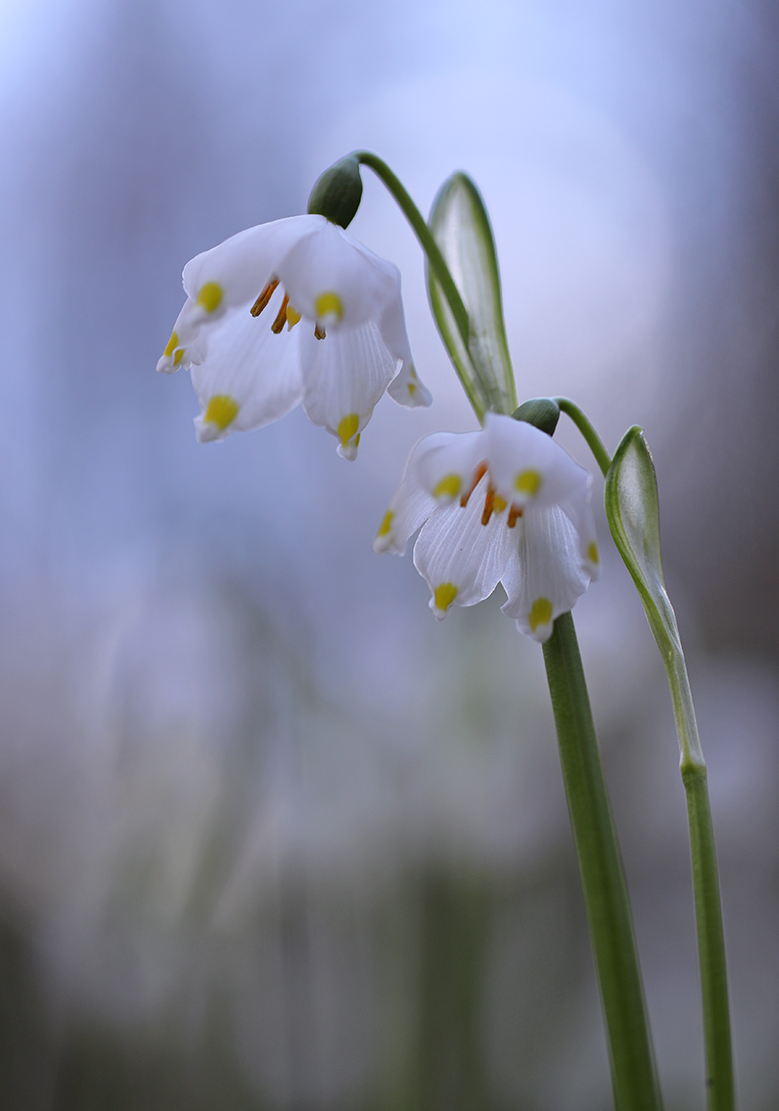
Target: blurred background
(271, 837)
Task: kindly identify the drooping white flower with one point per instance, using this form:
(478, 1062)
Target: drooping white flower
(506, 504)
(248, 372)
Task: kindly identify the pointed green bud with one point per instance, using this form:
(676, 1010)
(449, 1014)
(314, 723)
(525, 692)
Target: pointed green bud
(633, 513)
(462, 230)
(542, 412)
(337, 193)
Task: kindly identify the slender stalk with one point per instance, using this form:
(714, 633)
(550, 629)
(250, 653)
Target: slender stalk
(720, 1081)
(594, 442)
(605, 893)
(434, 256)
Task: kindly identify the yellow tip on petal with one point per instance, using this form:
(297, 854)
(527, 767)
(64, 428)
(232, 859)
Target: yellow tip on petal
(528, 482)
(444, 595)
(173, 343)
(540, 613)
(329, 304)
(386, 524)
(292, 317)
(178, 356)
(449, 486)
(221, 411)
(210, 296)
(592, 552)
(347, 428)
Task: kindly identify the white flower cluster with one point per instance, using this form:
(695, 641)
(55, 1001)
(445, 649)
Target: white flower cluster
(506, 504)
(249, 372)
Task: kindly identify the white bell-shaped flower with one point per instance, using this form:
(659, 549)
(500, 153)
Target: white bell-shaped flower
(248, 371)
(506, 504)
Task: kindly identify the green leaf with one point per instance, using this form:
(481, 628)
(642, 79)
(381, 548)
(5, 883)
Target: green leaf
(461, 228)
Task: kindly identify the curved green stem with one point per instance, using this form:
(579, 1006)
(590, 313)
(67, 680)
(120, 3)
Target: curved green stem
(600, 864)
(594, 442)
(433, 252)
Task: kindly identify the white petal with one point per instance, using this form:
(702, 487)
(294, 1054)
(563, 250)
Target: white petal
(235, 272)
(448, 462)
(462, 559)
(344, 375)
(527, 465)
(332, 278)
(579, 511)
(247, 363)
(411, 504)
(407, 388)
(183, 342)
(546, 575)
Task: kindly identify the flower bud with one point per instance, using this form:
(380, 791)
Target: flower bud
(337, 192)
(540, 411)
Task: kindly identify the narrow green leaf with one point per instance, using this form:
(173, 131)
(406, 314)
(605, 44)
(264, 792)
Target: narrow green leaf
(461, 228)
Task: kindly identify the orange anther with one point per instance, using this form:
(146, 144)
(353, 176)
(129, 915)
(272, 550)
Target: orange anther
(265, 296)
(478, 475)
(514, 514)
(489, 505)
(281, 317)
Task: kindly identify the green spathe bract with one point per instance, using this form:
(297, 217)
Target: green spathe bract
(337, 192)
(461, 228)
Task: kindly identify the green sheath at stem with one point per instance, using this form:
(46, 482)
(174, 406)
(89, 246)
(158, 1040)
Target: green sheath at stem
(616, 959)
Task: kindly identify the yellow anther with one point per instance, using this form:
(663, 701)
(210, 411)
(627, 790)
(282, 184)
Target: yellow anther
(592, 552)
(178, 356)
(498, 504)
(444, 595)
(449, 486)
(540, 613)
(386, 524)
(210, 296)
(347, 428)
(173, 343)
(328, 304)
(221, 411)
(292, 318)
(528, 482)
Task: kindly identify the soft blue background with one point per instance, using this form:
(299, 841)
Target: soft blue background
(248, 787)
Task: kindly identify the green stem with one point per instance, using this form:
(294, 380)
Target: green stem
(720, 1086)
(605, 893)
(720, 1083)
(434, 256)
(594, 442)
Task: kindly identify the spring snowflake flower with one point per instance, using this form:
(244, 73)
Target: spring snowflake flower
(506, 504)
(249, 372)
